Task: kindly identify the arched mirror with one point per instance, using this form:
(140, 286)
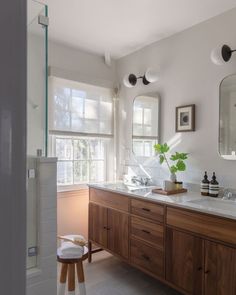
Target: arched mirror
(227, 120)
(145, 132)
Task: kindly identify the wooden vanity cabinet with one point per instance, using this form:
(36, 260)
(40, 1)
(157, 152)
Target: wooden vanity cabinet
(208, 267)
(193, 252)
(200, 266)
(108, 227)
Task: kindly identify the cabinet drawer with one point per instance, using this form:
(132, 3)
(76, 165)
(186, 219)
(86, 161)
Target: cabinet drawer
(207, 225)
(148, 231)
(147, 210)
(109, 199)
(147, 257)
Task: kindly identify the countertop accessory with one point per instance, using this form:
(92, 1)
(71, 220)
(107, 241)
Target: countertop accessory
(214, 187)
(185, 118)
(177, 158)
(205, 185)
(170, 192)
(172, 185)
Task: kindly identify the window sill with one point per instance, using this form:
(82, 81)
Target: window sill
(71, 188)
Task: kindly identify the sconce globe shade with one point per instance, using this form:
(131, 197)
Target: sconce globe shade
(221, 54)
(152, 75)
(130, 80)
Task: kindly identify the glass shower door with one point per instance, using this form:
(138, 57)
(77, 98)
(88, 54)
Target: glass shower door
(36, 116)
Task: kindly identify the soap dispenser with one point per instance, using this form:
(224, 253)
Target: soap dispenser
(214, 187)
(205, 185)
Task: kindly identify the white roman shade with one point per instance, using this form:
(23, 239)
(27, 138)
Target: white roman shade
(80, 109)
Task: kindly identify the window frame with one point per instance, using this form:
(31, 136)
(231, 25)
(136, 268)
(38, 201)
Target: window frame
(74, 186)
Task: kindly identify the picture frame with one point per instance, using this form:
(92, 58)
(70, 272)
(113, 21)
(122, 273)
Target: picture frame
(185, 118)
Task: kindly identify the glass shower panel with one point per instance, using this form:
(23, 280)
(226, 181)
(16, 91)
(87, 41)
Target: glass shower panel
(36, 116)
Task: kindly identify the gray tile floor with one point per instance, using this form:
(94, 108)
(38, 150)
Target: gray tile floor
(107, 275)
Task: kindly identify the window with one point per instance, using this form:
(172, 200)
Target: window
(145, 125)
(81, 131)
(144, 147)
(142, 121)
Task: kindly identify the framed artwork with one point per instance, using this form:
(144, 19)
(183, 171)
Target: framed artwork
(185, 118)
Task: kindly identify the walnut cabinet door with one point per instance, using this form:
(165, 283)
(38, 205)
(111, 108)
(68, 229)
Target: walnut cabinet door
(220, 269)
(98, 224)
(118, 236)
(184, 261)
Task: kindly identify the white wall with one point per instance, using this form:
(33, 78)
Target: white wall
(187, 76)
(74, 64)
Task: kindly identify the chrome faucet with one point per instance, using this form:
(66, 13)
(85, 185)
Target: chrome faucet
(141, 180)
(229, 195)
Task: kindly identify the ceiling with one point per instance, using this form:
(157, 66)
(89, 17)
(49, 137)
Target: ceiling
(120, 27)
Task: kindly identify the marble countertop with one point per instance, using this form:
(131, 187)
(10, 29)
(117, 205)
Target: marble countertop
(189, 200)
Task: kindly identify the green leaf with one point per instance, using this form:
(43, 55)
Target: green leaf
(173, 169)
(157, 148)
(183, 156)
(181, 165)
(174, 157)
(162, 159)
(161, 148)
(165, 148)
(179, 156)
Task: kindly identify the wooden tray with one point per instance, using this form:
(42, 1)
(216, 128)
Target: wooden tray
(167, 193)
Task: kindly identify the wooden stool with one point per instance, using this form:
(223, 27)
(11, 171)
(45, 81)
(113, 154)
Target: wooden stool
(68, 270)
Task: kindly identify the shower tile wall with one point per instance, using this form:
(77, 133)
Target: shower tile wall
(42, 280)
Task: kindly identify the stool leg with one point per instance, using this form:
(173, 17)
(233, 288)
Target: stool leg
(89, 252)
(80, 274)
(62, 286)
(71, 279)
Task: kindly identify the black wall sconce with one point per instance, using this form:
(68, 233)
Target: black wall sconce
(221, 54)
(150, 76)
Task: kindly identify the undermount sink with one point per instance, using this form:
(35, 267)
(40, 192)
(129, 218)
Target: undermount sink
(125, 187)
(216, 204)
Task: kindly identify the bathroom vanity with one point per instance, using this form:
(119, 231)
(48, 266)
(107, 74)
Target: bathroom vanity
(185, 241)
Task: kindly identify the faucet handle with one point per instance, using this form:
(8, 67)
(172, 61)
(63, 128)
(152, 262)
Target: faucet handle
(147, 180)
(228, 194)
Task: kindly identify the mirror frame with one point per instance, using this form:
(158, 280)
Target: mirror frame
(225, 157)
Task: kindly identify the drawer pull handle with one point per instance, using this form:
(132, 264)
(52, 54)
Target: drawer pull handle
(146, 231)
(146, 209)
(146, 257)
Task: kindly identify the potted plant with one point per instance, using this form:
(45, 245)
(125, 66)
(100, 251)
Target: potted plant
(178, 160)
